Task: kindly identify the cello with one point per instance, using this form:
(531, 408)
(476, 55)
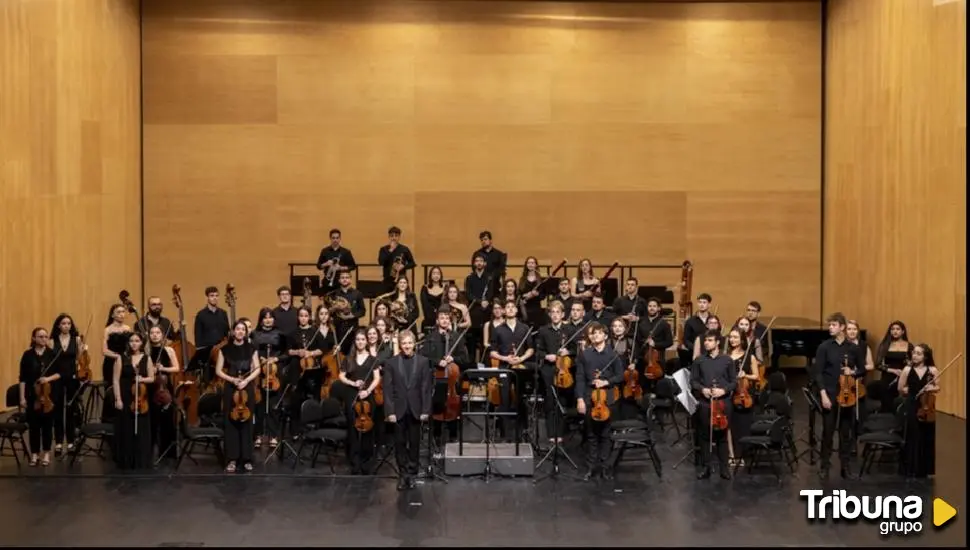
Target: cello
(331, 364)
(186, 389)
(450, 374)
(218, 383)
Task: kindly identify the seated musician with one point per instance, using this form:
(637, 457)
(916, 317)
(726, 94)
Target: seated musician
(443, 346)
(555, 340)
(360, 375)
(713, 377)
(598, 366)
(511, 347)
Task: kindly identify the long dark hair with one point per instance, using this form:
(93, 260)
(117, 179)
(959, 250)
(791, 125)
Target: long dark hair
(262, 315)
(132, 336)
(883, 347)
(927, 354)
(56, 329)
(111, 311)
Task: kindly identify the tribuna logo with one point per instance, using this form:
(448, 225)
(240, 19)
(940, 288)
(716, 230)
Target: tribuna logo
(896, 515)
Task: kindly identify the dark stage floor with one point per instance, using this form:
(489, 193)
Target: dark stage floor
(276, 507)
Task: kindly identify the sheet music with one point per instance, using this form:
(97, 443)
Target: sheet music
(686, 396)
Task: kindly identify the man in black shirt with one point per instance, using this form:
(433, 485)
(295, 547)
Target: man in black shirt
(694, 327)
(495, 259)
(598, 311)
(837, 357)
(154, 318)
(630, 306)
(565, 295)
(654, 333)
(555, 340)
(285, 314)
(712, 376)
(347, 320)
(511, 344)
(211, 322)
(479, 292)
(444, 346)
(394, 258)
(597, 366)
(333, 260)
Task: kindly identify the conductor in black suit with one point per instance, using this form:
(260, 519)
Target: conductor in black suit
(408, 386)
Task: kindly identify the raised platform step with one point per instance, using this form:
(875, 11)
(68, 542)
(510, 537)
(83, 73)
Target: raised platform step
(501, 456)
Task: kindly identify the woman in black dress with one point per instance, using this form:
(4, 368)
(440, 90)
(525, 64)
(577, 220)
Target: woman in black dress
(360, 373)
(67, 345)
(238, 364)
(584, 283)
(746, 365)
(529, 287)
(38, 368)
(404, 304)
(271, 346)
(114, 344)
(163, 413)
(431, 293)
(133, 371)
(919, 447)
(892, 354)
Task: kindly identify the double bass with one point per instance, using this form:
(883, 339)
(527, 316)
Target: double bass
(451, 373)
(186, 390)
(218, 383)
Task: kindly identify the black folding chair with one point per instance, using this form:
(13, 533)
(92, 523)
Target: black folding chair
(211, 436)
(636, 434)
(13, 426)
(877, 443)
(321, 421)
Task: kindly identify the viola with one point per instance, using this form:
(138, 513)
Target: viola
(494, 396)
(83, 363)
(719, 419)
(162, 396)
(742, 394)
(240, 406)
(631, 385)
(44, 403)
(600, 401)
(849, 392)
(271, 379)
(363, 422)
(379, 393)
(926, 411)
(139, 403)
(564, 377)
(654, 370)
(331, 368)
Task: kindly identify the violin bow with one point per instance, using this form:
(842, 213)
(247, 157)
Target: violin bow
(939, 374)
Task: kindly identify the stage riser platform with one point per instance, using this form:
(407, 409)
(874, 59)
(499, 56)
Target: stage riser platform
(504, 461)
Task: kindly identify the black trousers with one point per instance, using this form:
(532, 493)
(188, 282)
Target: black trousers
(163, 429)
(844, 422)
(239, 440)
(598, 443)
(407, 444)
(41, 427)
(705, 435)
(268, 421)
(67, 422)
(555, 423)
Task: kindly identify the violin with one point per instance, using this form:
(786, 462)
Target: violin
(926, 411)
(139, 405)
(742, 394)
(240, 406)
(719, 419)
(653, 369)
(44, 403)
(83, 372)
(631, 382)
(271, 379)
(363, 422)
(848, 388)
(600, 401)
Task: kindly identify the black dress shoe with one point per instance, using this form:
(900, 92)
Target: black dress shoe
(402, 484)
(823, 473)
(588, 475)
(411, 482)
(607, 474)
(725, 474)
(704, 474)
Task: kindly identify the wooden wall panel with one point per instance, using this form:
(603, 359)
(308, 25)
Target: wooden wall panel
(70, 220)
(895, 197)
(653, 131)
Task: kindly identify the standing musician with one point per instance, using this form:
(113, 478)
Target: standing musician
(583, 283)
(555, 340)
(654, 331)
(531, 289)
(133, 372)
(271, 348)
(495, 260)
(166, 364)
(625, 346)
(835, 358)
(744, 326)
(919, 448)
(115, 342)
(432, 294)
(211, 322)
(37, 382)
(68, 347)
(154, 317)
(498, 318)
(285, 313)
(479, 291)
(752, 311)
(695, 326)
(892, 354)
(713, 379)
(510, 292)
(564, 295)
(410, 383)
(598, 311)
(346, 316)
(303, 351)
(630, 306)
(334, 260)
(394, 258)
(360, 373)
(324, 343)
(748, 374)
(599, 367)
(511, 346)
(382, 345)
(442, 339)
(404, 303)
(238, 365)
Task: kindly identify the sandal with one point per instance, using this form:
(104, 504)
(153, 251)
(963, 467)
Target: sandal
(258, 443)
(231, 468)
(33, 460)
(46, 461)
(248, 466)
(273, 443)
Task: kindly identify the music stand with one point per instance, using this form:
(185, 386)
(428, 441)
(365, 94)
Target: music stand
(814, 408)
(282, 411)
(436, 408)
(556, 449)
(198, 363)
(487, 374)
(689, 402)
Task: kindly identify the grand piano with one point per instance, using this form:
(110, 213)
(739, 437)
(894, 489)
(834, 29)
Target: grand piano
(798, 338)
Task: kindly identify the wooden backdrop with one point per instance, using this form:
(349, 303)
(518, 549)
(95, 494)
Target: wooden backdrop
(70, 236)
(642, 133)
(895, 196)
